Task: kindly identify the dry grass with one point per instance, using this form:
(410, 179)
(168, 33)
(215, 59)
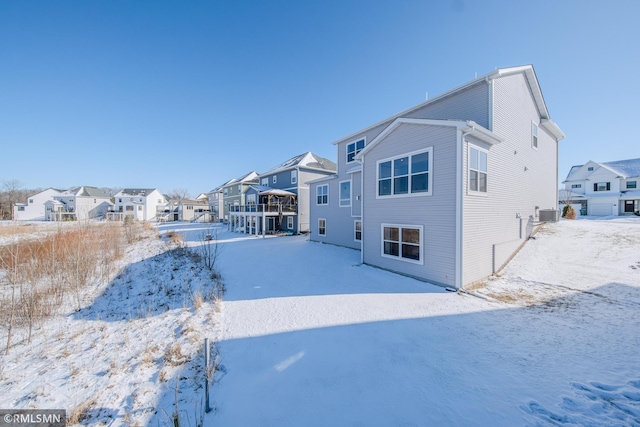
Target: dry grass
(80, 412)
(198, 300)
(174, 237)
(173, 356)
(14, 230)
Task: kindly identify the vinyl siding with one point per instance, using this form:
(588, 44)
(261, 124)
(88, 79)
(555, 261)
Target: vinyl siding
(435, 213)
(469, 104)
(339, 221)
(519, 179)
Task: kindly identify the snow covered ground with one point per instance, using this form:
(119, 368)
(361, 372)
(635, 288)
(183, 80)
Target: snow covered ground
(308, 336)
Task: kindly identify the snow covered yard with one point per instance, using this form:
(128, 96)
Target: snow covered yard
(308, 336)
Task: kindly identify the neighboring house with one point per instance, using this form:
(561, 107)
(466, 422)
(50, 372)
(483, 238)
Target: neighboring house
(448, 190)
(216, 201)
(139, 203)
(602, 189)
(280, 202)
(233, 192)
(34, 208)
(193, 210)
(78, 204)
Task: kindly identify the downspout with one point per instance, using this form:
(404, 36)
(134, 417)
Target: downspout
(361, 161)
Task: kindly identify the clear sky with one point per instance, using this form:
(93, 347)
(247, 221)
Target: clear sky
(188, 94)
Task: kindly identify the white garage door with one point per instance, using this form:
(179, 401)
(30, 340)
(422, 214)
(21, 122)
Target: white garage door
(600, 209)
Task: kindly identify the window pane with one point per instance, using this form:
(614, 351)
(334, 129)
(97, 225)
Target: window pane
(391, 248)
(391, 233)
(420, 183)
(350, 157)
(411, 252)
(345, 190)
(384, 187)
(483, 182)
(411, 235)
(482, 166)
(360, 145)
(420, 162)
(401, 166)
(384, 170)
(401, 185)
(473, 158)
(473, 180)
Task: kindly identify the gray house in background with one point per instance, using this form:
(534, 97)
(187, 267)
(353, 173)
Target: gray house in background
(448, 190)
(280, 201)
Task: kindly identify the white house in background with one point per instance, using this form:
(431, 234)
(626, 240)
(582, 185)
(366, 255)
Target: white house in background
(34, 208)
(448, 190)
(139, 203)
(602, 189)
(78, 204)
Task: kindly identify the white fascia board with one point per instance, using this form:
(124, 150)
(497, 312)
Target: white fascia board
(324, 178)
(553, 128)
(481, 133)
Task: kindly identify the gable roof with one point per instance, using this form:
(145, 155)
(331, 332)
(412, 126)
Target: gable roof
(251, 177)
(530, 76)
(629, 168)
(85, 192)
(306, 160)
(135, 192)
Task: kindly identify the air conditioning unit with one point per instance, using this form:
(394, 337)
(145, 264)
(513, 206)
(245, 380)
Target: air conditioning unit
(549, 215)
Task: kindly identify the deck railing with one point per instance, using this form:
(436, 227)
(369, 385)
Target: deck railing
(272, 208)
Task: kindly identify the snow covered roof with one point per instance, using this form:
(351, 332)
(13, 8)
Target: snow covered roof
(86, 192)
(135, 192)
(276, 192)
(306, 160)
(625, 168)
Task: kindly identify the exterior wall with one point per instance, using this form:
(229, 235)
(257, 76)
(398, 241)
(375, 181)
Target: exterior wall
(435, 213)
(34, 209)
(520, 178)
(339, 221)
(469, 104)
(87, 207)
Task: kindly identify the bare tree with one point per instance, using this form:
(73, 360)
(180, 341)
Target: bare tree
(11, 194)
(179, 194)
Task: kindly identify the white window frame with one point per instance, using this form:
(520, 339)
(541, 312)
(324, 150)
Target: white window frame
(324, 226)
(470, 169)
(294, 177)
(576, 185)
(290, 223)
(635, 185)
(534, 136)
(355, 230)
(344, 203)
(322, 195)
(264, 182)
(355, 150)
(410, 173)
(399, 257)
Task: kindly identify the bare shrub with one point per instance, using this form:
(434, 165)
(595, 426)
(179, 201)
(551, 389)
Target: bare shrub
(80, 412)
(174, 237)
(198, 300)
(173, 356)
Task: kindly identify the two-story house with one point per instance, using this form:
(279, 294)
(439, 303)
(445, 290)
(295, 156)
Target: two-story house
(138, 203)
(445, 191)
(602, 189)
(34, 208)
(78, 204)
(232, 193)
(280, 200)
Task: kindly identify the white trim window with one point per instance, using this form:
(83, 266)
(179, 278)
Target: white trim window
(290, 223)
(294, 177)
(576, 185)
(322, 227)
(322, 194)
(601, 186)
(402, 242)
(345, 193)
(274, 179)
(357, 230)
(632, 185)
(354, 148)
(407, 175)
(534, 135)
(264, 182)
(478, 166)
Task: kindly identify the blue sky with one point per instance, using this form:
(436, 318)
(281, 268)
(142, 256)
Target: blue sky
(188, 94)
